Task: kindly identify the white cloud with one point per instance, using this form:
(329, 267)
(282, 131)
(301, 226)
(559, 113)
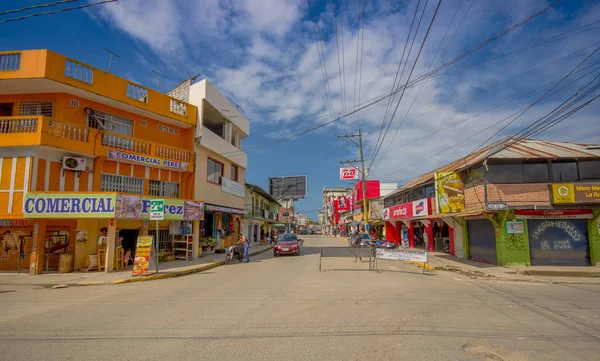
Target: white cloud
(264, 55)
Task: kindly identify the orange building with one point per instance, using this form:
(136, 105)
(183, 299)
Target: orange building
(82, 151)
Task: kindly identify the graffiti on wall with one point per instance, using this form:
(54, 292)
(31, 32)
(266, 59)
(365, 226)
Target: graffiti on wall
(570, 233)
(10, 243)
(515, 242)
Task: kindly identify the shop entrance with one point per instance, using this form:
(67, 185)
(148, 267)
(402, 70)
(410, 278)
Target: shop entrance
(129, 239)
(441, 236)
(482, 240)
(562, 242)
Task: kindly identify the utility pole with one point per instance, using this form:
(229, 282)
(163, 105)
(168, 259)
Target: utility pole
(362, 170)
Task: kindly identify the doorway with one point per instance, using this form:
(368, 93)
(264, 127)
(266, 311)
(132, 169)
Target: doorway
(6, 109)
(129, 239)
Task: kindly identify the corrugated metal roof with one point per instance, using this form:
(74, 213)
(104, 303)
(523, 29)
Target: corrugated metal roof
(502, 149)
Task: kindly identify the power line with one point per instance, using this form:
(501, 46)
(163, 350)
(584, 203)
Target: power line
(518, 114)
(58, 11)
(36, 7)
(407, 81)
(392, 92)
(412, 83)
(404, 144)
(433, 62)
(540, 98)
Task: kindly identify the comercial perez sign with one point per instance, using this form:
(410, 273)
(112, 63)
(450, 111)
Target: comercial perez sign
(65, 205)
(147, 160)
(570, 193)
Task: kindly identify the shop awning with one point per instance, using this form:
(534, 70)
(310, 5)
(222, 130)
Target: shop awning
(446, 215)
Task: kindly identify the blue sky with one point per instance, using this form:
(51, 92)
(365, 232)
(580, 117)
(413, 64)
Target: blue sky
(264, 55)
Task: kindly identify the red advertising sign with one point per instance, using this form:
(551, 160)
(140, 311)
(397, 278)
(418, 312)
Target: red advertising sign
(336, 213)
(554, 213)
(399, 211)
(343, 204)
(348, 173)
(373, 190)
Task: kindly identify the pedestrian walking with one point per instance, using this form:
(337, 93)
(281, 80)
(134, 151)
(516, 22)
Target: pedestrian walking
(272, 237)
(356, 243)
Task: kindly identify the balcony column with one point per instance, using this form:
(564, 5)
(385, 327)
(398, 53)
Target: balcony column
(227, 130)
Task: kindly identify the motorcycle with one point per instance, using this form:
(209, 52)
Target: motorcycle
(233, 253)
(447, 245)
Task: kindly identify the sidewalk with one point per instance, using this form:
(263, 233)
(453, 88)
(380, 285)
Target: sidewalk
(166, 270)
(559, 274)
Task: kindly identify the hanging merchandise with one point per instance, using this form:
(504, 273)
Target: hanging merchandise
(219, 220)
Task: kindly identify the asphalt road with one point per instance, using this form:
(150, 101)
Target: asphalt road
(285, 309)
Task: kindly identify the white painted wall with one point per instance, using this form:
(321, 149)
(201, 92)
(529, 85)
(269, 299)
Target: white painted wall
(387, 188)
(220, 146)
(205, 90)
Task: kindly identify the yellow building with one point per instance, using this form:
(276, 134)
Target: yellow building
(83, 150)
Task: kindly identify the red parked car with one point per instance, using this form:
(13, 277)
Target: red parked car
(287, 243)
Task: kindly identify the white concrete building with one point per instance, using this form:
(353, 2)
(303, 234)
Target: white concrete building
(220, 163)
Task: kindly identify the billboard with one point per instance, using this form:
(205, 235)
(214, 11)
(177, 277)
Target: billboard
(449, 192)
(349, 173)
(290, 187)
(343, 203)
(373, 190)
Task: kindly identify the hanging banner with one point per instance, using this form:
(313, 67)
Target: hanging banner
(449, 192)
(348, 173)
(401, 255)
(142, 255)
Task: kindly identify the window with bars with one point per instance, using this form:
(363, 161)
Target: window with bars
(122, 184)
(36, 107)
(111, 123)
(163, 189)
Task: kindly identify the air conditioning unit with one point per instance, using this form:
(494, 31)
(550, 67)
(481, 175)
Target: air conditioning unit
(74, 164)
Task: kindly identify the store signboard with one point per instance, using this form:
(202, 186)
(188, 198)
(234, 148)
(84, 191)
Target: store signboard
(15, 223)
(141, 263)
(233, 187)
(514, 227)
(147, 160)
(65, 205)
(213, 208)
(579, 193)
(401, 255)
(404, 210)
(554, 213)
(350, 173)
(421, 207)
(449, 192)
(157, 209)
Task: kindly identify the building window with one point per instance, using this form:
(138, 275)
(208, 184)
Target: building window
(121, 184)
(29, 107)
(535, 173)
(564, 171)
(504, 173)
(163, 189)
(215, 171)
(111, 123)
(234, 172)
(589, 170)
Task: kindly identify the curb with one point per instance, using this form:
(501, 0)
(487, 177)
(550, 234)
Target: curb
(159, 276)
(427, 266)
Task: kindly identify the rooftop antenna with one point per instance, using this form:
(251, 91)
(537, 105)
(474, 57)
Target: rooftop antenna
(158, 75)
(237, 105)
(192, 77)
(110, 59)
